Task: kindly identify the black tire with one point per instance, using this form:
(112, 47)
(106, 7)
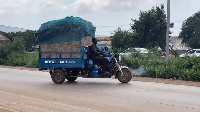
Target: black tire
(73, 73)
(125, 77)
(58, 76)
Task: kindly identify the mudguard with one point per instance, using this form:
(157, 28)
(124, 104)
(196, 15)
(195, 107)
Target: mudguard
(125, 67)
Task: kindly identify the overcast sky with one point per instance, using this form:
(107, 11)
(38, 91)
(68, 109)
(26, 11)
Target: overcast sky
(106, 15)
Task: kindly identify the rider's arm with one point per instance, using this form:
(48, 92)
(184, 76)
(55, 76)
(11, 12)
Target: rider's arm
(94, 50)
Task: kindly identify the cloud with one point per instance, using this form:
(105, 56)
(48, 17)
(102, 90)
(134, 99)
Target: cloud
(29, 6)
(2, 11)
(88, 6)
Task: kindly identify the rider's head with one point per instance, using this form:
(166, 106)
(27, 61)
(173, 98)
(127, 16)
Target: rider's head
(94, 40)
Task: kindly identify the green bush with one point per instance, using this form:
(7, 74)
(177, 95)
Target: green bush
(183, 68)
(133, 63)
(116, 50)
(16, 59)
(191, 75)
(32, 60)
(15, 54)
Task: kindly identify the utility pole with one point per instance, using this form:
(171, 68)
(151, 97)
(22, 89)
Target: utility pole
(167, 32)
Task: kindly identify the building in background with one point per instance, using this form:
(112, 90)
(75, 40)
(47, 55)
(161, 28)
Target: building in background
(103, 38)
(4, 40)
(176, 44)
(103, 41)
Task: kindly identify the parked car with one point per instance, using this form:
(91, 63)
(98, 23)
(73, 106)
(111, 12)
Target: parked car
(130, 51)
(192, 52)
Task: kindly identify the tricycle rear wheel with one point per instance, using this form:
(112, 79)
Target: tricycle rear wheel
(58, 76)
(125, 77)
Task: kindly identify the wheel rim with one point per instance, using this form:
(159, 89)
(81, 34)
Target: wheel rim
(124, 76)
(58, 77)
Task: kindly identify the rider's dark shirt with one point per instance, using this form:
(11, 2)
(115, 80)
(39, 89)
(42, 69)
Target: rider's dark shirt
(94, 52)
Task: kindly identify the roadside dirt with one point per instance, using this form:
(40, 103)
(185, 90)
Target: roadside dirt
(135, 78)
(20, 68)
(167, 81)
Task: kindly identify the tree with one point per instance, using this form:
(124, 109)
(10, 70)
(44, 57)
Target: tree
(15, 48)
(18, 45)
(122, 39)
(150, 28)
(28, 36)
(191, 31)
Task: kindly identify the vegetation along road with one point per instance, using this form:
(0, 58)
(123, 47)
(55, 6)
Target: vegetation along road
(23, 90)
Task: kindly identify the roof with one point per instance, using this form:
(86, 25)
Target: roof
(176, 43)
(3, 37)
(11, 29)
(103, 37)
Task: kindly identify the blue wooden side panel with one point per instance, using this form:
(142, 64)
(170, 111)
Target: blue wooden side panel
(52, 63)
(61, 63)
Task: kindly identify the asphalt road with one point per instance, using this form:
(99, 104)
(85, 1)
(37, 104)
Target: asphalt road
(22, 90)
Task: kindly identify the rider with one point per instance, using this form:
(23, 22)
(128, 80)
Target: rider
(95, 56)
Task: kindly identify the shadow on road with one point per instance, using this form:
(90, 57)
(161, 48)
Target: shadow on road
(88, 85)
(91, 83)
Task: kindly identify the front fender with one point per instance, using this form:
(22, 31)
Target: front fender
(125, 67)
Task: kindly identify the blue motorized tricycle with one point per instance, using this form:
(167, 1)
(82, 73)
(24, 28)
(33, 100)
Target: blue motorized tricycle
(60, 40)
(72, 68)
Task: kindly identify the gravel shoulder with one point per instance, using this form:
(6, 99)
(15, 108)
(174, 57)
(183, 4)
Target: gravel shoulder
(135, 78)
(167, 81)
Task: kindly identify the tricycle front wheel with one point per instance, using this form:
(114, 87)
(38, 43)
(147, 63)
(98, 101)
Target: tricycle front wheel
(125, 77)
(58, 76)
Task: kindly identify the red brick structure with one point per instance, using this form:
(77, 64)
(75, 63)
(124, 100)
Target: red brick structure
(4, 40)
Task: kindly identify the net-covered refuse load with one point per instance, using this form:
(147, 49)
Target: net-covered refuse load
(64, 35)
